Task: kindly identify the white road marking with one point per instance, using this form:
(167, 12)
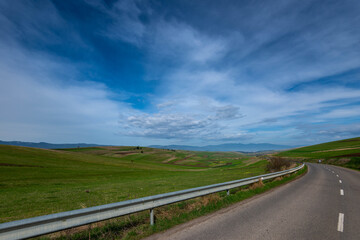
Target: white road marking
(341, 222)
(341, 192)
(340, 181)
(337, 175)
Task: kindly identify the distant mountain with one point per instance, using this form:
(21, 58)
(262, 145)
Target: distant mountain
(47, 145)
(251, 147)
(238, 147)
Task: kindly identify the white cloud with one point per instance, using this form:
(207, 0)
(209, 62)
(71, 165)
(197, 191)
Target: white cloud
(182, 126)
(126, 26)
(36, 104)
(341, 113)
(175, 41)
(212, 85)
(125, 22)
(227, 112)
(199, 85)
(165, 126)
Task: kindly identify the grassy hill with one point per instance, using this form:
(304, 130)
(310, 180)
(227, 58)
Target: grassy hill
(36, 182)
(343, 153)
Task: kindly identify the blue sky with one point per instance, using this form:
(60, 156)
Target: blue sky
(179, 72)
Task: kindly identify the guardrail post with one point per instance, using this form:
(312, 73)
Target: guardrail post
(151, 216)
(228, 192)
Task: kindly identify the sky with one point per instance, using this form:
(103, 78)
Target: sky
(193, 72)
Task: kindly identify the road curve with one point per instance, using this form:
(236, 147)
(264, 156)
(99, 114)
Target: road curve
(323, 204)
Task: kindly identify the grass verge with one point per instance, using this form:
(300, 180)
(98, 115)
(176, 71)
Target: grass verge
(137, 226)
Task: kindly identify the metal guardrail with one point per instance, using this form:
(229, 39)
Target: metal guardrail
(32, 227)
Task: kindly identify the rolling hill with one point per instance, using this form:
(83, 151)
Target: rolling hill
(37, 181)
(343, 153)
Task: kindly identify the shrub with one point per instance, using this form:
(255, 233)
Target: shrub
(277, 164)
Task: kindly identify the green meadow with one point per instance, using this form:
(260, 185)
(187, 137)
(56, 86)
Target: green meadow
(36, 182)
(343, 153)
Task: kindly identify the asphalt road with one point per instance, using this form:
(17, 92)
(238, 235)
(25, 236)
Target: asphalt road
(323, 204)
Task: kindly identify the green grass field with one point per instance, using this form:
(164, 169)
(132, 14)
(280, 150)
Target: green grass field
(136, 226)
(343, 153)
(36, 182)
